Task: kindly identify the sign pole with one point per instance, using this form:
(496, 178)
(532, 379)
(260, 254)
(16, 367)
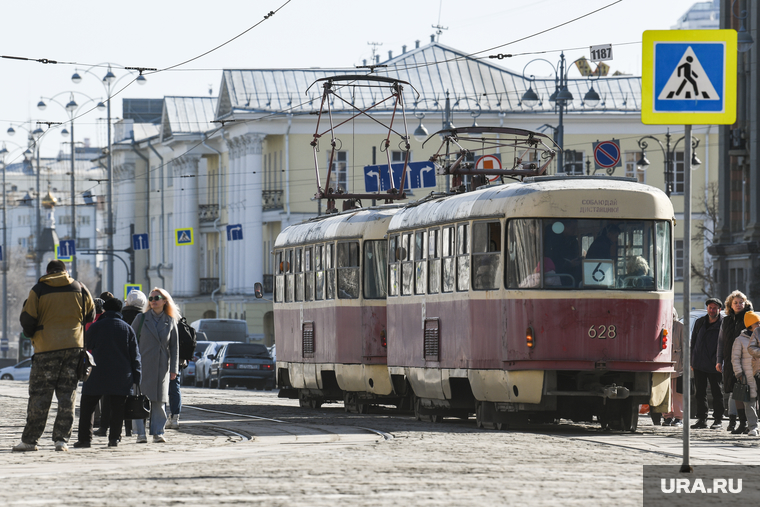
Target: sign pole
(686, 337)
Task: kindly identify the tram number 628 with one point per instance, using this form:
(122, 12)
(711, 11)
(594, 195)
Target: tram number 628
(602, 332)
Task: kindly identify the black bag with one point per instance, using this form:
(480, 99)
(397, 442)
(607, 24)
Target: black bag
(136, 407)
(85, 365)
(187, 340)
(741, 390)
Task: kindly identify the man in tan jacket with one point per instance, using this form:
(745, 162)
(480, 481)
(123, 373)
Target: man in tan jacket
(54, 316)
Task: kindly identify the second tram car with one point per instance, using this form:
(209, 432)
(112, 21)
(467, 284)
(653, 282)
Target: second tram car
(549, 298)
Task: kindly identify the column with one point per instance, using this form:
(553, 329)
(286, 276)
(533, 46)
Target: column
(124, 209)
(253, 234)
(186, 264)
(232, 272)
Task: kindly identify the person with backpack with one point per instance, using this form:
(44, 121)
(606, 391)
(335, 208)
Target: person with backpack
(157, 335)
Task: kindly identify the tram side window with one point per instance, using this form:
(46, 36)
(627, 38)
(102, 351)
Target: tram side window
(298, 266)
(279, 287)
(523, 249)
(290, 281)
(393, 267)
(375, 266)
(463, 257)
(308, 283)
(434, 261)
(319, 274)
(407, 265)
(449, 272)
(486, 255)
(664, 256)
(348, 270)
(329, 261)
(419, 262)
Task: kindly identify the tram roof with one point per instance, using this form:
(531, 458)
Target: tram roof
(366, 223)
(551, 196)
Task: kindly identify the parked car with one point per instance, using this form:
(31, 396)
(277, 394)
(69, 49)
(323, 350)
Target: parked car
(188, 376)
(244, 364)
(203, 364)
(222, 330)
(18, 371)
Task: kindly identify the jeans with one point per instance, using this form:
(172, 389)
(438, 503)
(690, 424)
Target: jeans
(157, 420)
(749, 407)
(175, 396)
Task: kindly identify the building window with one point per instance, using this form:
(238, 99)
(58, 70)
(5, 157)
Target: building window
(631, 168)
(83, 243)
(679, 259)
(678, 174)
(83, 220)
(573, 163)
(339, 171)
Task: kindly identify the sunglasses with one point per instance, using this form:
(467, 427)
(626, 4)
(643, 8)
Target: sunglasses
(155, 298)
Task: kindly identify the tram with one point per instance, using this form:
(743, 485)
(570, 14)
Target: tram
(543, 299)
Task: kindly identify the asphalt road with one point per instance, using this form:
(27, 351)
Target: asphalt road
(239, 447)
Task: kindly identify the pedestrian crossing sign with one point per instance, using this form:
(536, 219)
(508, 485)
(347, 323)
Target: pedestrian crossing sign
(688, 77)
(129, 287)
(183, 236)
(60, 257)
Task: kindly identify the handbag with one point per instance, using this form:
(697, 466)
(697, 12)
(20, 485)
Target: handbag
(136, 406)
(85, 365)
(741, 390)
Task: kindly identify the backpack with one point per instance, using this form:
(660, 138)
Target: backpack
(187, 340)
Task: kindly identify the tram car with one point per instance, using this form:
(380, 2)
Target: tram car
(542, 299)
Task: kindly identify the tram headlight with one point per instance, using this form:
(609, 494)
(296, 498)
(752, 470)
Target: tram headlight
(664, 339)
(529, 337)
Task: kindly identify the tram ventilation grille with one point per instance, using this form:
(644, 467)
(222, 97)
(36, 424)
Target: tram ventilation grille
(432, 340)
(308, 339)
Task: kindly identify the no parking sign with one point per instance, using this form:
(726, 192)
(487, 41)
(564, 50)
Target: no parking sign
(607, 155)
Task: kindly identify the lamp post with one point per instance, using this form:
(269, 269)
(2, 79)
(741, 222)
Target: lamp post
(561, 97)
(71, 109)
(109, 81)
(668, 154)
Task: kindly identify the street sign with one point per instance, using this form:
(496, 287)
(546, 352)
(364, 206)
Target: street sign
(140, 242)
(689, 77)
(601, 52)
(4, 344)
(67, 248)
(607, 154)
(129, 287)
(183, 237)
(234, 232)
(489, 162)
(59, 257)
(1, 253)
(418, 175)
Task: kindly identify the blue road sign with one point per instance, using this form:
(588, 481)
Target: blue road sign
(607, 154)
(234, 232)
(183, 236)
(129, 287)
(1, 253)
(419, 175)
(140, 242)
(4, 344)
(66, 248)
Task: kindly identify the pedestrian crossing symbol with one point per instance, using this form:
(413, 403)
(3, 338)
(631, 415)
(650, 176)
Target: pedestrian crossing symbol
(183, 236)
(689, 77)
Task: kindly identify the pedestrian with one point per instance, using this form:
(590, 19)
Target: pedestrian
(704, 348)
(733, 324)
(745, 368)
(675, 416)
(98, 312)
(54, 316)
(113, 345)
(104, 421)
(159, 348)
(137, 302)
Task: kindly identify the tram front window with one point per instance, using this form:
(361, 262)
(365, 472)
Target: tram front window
(589, 254)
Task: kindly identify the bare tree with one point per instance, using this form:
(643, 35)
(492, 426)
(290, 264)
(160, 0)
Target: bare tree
(704, 235)
(19, 284)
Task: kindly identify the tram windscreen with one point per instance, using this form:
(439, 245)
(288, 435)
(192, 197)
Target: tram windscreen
(589, 254)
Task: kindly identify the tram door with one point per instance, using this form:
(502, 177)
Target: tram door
(374, 293)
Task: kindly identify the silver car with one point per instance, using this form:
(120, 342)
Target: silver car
(203, 364)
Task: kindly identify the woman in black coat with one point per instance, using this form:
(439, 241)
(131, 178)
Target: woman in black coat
(737, 305)
(113, 345)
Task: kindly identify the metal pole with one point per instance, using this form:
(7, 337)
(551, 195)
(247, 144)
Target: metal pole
(73, 203)
(5, 266)
(561, 127)
(109, 246)
(668, 164)
(686, 297)
(37, 250)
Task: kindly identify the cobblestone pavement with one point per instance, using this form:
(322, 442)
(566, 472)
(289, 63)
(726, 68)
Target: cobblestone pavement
(238, 447)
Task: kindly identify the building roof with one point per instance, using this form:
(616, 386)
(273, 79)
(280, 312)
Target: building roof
(432, 70)
(187, 116)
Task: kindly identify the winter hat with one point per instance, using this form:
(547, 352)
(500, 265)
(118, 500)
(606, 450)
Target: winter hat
(137, 298)
(112, 305)
(715, 301)
(751, 318)
(98, 305)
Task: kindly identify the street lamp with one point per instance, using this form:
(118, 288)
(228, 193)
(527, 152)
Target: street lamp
(109, 81)
(744, 39)
(71, 108)
(668, 155)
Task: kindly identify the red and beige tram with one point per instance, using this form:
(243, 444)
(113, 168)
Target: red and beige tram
(548, 298)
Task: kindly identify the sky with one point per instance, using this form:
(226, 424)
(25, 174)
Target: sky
(81, 34)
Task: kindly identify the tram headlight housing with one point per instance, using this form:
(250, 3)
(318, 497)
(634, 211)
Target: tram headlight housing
(529, 338)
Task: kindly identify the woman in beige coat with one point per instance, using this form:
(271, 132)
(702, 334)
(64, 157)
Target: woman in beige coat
(745, 367)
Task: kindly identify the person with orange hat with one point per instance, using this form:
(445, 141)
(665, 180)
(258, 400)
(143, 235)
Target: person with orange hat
(745, 367)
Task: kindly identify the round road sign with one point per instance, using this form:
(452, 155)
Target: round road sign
(489, 162)
(607, 154)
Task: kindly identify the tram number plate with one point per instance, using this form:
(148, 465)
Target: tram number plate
(602, 332)
(249, 366)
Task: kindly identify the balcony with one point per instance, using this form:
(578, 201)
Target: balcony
(208, 212)
(271, 199)
(209, 285)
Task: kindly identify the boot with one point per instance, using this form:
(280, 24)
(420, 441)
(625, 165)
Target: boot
(174, 422)
(742, 422)
(731, 423)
